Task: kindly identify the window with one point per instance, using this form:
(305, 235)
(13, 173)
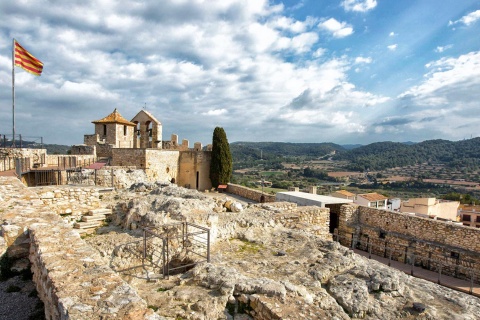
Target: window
(104, 129)
(466, 217)
(124, 130)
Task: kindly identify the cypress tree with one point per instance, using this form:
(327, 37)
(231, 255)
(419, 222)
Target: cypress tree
(221, 164)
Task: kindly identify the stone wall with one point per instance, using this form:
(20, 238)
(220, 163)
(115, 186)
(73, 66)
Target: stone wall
(129, 157)
(84, 149)
(194, 170)
(309, 218)
(71, 278)
(30, 156)
(65, 161)
(425, 242)
(248, 193)
(161, 165)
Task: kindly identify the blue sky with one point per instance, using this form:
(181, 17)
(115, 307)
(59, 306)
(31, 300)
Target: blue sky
(342, 71)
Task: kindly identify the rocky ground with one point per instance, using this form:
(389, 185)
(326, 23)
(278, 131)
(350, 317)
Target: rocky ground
(283, 273)
(19, 300)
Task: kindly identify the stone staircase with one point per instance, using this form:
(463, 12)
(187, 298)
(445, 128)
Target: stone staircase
(92, 220)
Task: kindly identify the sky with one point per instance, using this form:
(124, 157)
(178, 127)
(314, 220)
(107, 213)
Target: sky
(341, 71)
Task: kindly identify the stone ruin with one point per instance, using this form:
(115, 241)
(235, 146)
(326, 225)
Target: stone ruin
(268, 261)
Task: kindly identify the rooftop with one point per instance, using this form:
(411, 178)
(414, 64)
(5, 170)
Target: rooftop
(115, 117)
(372, 196)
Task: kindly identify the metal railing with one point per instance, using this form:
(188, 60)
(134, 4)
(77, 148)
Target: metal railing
(413, 260)
(160, 246)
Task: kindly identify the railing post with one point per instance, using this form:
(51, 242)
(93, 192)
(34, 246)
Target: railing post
(439, 272)
(144, 247)
(471, 281)
(390, 258)
(369, 249)
(413, 263)
(208, 245)
(164, 265)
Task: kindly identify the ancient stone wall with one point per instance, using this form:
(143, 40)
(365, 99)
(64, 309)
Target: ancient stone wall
(425, 242)
(84, 150)
(129, 157)
(161, 165)
(72, 279)
(70, 202)
(248, 193)
(310, 218)
(194, 170)
(30, 156)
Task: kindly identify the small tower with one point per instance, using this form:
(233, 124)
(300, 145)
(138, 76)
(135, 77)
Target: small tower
(148, 131)
(115, 130)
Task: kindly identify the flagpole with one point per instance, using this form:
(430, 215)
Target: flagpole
(13, 92)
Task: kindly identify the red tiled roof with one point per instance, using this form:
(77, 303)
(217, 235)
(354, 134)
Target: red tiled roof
(115, 117)
(372, 196)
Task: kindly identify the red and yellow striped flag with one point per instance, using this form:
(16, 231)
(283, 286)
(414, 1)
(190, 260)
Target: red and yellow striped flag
(27, 61)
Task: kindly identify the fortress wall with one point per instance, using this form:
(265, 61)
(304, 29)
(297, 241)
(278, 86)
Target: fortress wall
(194, 170)
(8, 156)
(249, 193)
(161, 165)
(411, 239)
(72, 279)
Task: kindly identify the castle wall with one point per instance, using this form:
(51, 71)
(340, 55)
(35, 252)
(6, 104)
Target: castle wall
(32, 156)
(248, 193)
(129, 157)
(194, 170)
(84, 150)
(162, 165)
(425, 242)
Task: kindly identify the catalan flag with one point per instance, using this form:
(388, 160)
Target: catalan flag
(26, 60)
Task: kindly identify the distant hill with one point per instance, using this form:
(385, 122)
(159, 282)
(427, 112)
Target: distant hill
(242, 151)
(351, 146)
(51, 148)
(383, 155)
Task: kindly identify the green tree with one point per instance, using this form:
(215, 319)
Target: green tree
(221, 164)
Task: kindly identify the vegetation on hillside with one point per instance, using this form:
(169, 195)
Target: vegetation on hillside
(463, 154)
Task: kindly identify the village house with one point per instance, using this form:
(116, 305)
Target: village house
(431, 207)
(469, 215)
(372, 200)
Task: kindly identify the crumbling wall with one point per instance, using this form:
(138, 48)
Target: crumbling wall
(72, 279)
(248, 193)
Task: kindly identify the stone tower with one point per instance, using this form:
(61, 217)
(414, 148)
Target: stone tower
(115, 130)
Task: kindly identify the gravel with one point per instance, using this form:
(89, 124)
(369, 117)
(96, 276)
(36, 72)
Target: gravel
(19, 300)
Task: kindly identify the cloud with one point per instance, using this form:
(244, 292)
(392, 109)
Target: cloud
(359, 5)
(468, 19)
(392, 47)
(392, 34)
(336, 28)
(359, 60)
(441, 49)
(216, 112)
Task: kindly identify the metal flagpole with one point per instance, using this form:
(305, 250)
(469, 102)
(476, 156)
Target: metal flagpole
(13, 92)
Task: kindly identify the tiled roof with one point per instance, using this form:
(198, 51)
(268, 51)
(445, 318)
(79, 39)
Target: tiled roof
(345, 193)
(372, 196)
(115, 117)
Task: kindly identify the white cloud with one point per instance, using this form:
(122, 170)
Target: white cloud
(319, 52)
(216, 112)
(468, 19)
(441, 49)
(359, 5)
(450, 80)
(359, 60)
(392, 34)
(336, 28)
(392, 47)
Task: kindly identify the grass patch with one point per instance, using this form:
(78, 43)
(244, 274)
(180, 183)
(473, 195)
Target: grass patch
(161, 289)
(250, 247)
(154, 308)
